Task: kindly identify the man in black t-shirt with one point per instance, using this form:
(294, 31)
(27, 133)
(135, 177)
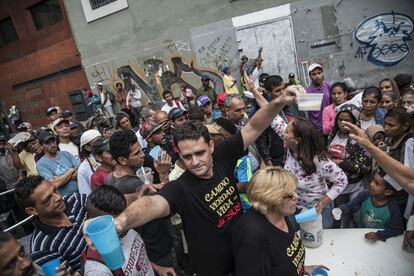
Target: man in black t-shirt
(206, 195)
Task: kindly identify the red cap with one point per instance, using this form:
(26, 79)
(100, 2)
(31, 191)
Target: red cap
(221, 97)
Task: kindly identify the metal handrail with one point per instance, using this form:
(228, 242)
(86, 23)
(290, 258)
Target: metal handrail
(7, 192)
(19, 223)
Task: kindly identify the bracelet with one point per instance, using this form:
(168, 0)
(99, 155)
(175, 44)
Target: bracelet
(410, 223)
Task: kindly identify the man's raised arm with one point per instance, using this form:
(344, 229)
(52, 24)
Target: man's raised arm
(263, 117)
(141, 211)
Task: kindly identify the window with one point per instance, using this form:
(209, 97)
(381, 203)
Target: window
(46, 13)
(7, 32)
(95, 9)
(95, 4)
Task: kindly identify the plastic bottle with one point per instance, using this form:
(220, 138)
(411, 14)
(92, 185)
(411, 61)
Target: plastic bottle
(311, 233)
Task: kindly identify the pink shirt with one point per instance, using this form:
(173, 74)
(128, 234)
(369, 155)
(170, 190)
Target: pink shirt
(328, 119)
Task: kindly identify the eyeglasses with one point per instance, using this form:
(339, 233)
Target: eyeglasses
(291, 196)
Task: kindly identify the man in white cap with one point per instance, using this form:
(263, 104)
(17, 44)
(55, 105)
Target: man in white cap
(89, 164)
(318, 85)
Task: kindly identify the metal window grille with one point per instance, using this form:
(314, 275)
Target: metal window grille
(96, 4)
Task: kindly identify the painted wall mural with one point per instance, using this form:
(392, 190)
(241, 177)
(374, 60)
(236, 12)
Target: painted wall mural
(384, 38)
(155, 75)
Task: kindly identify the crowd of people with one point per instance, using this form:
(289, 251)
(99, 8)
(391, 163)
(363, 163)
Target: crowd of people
(199, 186)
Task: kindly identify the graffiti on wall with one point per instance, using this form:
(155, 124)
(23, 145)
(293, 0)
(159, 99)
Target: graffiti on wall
(217, 53)
(155, 75)
(384, 38)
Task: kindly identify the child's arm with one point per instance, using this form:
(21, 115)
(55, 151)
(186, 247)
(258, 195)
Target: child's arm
(396, 226)
(355, 204)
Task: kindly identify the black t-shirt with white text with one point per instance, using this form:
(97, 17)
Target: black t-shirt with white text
(261, 249)
(208, 209)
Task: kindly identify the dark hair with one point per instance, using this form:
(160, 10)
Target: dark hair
(386, 79)
(165, 93)
(373, 90)
(391, 95)
(227, 125)
(271, 81)
(119, 116)
(335, 128)
(196, 114)
(380, 171)
(191, 130)
(311, 144)
(5, 237)
(341, 85)
(121, 142)
(25, 188)
(403, 81)
(400, 114)
(107, 199)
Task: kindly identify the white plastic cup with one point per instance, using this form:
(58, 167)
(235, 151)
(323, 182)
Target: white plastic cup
(336, 213)
(145, 175)
(310, 101)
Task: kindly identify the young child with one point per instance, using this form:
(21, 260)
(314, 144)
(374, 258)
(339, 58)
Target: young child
(377, 209)
(107, 200)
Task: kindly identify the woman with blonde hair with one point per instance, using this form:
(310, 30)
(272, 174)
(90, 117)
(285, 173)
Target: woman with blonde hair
(264, 241)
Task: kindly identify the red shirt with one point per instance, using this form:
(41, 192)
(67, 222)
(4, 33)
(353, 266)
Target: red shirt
(98, 178)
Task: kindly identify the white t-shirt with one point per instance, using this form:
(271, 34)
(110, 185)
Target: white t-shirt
(71, 148)
(134, 97)
(255, 76)
(167, 108)
(367, 124)
(136, 259)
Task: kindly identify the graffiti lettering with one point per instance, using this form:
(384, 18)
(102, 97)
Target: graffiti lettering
(217, 53)
(386, 35)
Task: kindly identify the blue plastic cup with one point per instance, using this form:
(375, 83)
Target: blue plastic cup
(306, 216)
(319, 272)
(104, 237)
(49, 268)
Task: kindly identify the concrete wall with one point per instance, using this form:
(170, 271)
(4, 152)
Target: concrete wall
(160, 44)
(333, 23)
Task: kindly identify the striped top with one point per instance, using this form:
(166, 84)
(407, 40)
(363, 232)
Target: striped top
(67, 243)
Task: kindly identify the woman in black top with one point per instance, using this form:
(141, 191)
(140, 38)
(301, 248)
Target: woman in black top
(264, 241)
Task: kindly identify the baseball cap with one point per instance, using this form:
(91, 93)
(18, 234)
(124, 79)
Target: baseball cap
(226, 68)
(3, 137)
(203, 101)
(205, 78)
(243, 57)
(100, 145)
(45, 136)
(291, 76)
(175, 113)
(50, 110)
(66, 114)
(221, 97)
(88, 136)
(59, 121)
(149, 127)
(313, 66)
